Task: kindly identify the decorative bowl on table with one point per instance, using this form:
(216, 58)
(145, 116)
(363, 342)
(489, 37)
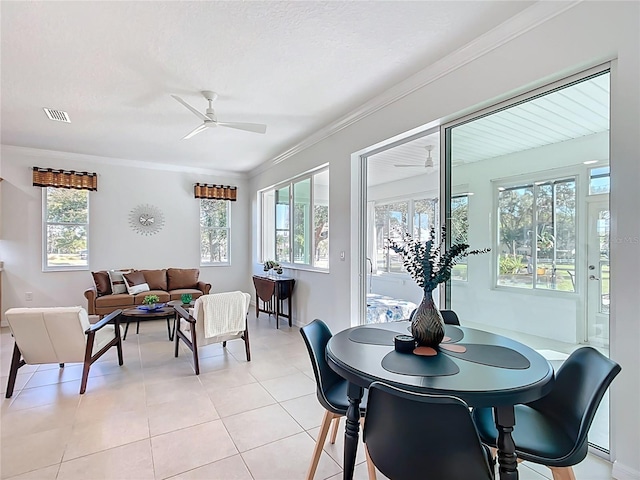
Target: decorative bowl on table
(151, 307)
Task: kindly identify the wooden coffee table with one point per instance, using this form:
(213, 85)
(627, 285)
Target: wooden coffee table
(137, 315)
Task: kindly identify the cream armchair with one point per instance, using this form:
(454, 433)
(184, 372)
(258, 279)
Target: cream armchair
(214, 318)
(60, 335)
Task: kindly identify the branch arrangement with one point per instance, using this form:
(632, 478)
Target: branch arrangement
(429, 263)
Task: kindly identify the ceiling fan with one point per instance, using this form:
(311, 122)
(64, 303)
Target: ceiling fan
(428, 163)
(210, 120)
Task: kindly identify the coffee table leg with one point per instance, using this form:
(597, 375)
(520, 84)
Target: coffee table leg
(351, 430)
(507, 458)
(126, 329)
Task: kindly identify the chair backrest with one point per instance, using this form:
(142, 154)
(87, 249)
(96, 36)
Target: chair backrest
(450, 317)
(407, 433)
(228, 328)
(581, 382)
(49, 335)
(316, 335)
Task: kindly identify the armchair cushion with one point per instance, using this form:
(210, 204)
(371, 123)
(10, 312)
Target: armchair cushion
(179, 278)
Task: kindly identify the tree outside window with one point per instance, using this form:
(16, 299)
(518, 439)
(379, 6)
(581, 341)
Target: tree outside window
(537, 235)
(296, 215)
(214, 231)
(66, 213)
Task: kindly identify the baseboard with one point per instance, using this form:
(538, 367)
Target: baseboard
(624, 472)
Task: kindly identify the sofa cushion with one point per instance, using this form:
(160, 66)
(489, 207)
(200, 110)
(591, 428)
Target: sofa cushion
(117, 281)
(135, 289)
(163, 296)
(177, 294)
(134, 278)
(102, 282)
(157, 279)
(119, 300)
(178, 278)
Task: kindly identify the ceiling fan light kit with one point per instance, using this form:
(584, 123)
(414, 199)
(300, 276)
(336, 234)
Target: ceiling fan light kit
(210, 120)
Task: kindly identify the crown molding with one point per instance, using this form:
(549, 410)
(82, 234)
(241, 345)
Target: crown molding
(111, 161)
(537, 14)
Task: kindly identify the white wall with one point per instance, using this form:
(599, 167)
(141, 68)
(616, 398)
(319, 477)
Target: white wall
(112, 243)
(585, 35)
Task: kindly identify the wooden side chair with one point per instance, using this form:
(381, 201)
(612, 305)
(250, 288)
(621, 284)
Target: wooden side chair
(60, 335)
(229, 321)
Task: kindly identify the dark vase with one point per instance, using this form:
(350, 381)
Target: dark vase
(427, 326)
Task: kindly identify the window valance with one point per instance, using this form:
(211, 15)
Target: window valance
(216, 192)
(49, 177)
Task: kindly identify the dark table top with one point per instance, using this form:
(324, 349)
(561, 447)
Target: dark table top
(137, 312)
(477, 382)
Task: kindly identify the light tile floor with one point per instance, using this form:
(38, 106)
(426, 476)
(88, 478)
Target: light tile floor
(154, 418)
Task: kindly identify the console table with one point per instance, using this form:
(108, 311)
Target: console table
(272, 293)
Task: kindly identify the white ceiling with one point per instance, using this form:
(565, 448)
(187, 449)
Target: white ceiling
(576, 111)
(296, 66)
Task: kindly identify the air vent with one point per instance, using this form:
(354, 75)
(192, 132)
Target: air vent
(57, 115)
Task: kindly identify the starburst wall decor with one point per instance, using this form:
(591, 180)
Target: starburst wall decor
(146, 219)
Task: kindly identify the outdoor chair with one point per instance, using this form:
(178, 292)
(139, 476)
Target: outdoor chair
(60, 335)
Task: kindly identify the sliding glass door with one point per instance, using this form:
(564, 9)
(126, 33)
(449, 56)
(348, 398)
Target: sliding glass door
(534, 173)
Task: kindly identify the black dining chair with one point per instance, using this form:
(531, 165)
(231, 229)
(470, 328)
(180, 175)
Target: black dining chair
(553, 430)
(331, 390)
(449, 316)
(412, 435)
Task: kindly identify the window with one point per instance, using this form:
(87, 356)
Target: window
(214, 231)
(460, 231)
(599, 181)
(295, 221)
(394, 219)
(537, 235)
(66, 227)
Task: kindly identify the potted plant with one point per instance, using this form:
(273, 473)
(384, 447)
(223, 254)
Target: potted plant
(429, 264)
(150, 301)
(272, 265)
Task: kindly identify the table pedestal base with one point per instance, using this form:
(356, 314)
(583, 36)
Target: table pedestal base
(507, 458)
(351, 429)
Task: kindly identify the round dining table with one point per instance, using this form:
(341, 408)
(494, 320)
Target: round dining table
(481, 368)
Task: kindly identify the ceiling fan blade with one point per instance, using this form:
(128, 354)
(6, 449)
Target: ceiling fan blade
(195, 131)
(249, 127)
(200, 115)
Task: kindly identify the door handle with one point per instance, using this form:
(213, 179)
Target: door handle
(593, 277)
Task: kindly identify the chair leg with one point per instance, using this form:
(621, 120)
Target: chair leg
(194, 344)
(562, 473)
(334, 430)
(247, 349)
(13, 370)
(224, 344)
(322, 436)
(87, 362)
(371, 468)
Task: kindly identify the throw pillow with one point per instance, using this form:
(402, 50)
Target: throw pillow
(180, 278)
(102, 282)
(134, 278)
(117, 281)
(134, 289)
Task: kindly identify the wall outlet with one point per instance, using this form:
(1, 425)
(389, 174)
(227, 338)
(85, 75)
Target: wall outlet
(28, 296)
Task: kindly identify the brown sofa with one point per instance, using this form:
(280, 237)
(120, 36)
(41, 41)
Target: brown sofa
(168, 284)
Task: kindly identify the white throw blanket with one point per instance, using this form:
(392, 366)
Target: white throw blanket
(224, 313)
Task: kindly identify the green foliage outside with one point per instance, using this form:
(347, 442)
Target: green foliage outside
(214, 230)
(66, 231)
(511, 264)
